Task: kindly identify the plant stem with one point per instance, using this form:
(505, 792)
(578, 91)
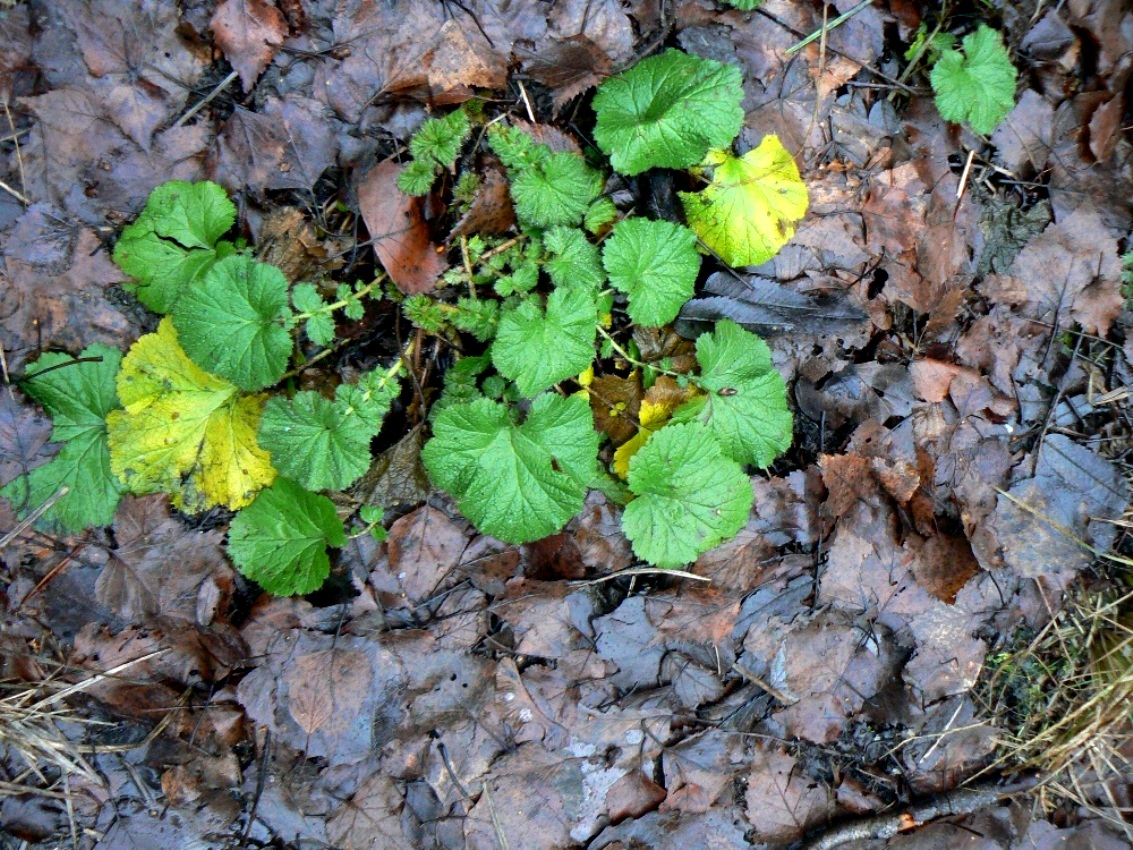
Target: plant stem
(356, 296)
(633, 361)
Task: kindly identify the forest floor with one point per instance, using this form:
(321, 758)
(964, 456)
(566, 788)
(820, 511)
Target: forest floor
(889, 647)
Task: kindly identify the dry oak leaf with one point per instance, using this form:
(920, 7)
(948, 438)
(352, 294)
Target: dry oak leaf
(249, 32)
(399, 232)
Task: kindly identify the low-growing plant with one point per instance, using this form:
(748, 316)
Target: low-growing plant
(200, 409)
(977, 85)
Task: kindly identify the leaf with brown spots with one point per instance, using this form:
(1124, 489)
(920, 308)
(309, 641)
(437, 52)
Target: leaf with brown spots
(399, 231)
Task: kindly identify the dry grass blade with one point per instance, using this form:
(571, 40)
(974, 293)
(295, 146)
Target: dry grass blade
(29, 716)
(1066, 699)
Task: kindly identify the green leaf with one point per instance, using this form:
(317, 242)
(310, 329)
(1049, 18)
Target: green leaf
(461, 383)
(322, 444)
(668, 111)
(690, 497)
(78, 398)
(745, 408)
(575, 261)
(174, 240)
(514, 482)
(601, 213)
(232, 322)
(477, 316)
(978, 86)
(280, 540)
(537, 349)
(417, 177)
(183, 431)
(655, 263)
(557, 191)
(439, 139)
(195, 215)
(370, 398)
(748, 211)
(516, 149)
(319, 325)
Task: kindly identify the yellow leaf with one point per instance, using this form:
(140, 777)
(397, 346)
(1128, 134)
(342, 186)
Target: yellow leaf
(183, 431)
(661, 399)
(748, 211)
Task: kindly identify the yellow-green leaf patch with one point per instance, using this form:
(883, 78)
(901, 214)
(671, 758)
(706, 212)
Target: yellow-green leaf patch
(183, 431)
(748, 211)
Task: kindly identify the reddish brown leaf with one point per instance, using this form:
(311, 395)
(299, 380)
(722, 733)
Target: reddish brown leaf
(569, 67)
(598, 535)
(1070, 272)
(491, 211)
(249, 32)
(632, 796)
(288, 240)
(424, 548)
(540, 617)
(616, 401)
(462, 58)
(399, 232)
(783, 802)
(371, 818)
(52, 288)
(162, 568)
(344, 721)
(286, 145)
(699, 771)
(326, 689)
(828, 669)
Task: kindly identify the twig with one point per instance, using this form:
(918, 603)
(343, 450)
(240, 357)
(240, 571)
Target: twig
(26, 523)
(221, 86)
(500, 837)
(962, 801)
(779, 21)
(15, 193)
(645, 571)
(764, 686)
(964, 175)
(826, 27)
(19, 155)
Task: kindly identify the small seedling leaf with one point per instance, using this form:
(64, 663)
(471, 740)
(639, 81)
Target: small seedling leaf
(977, 86)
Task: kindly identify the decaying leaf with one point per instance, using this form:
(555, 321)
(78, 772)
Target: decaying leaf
(249, 32)
(399, 232)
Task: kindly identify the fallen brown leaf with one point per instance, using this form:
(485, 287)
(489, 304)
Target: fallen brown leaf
(399, 232)
(249, 32)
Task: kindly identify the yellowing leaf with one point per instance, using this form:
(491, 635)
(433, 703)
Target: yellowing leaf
(748, 211)
(183, 431)
(661, 399)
